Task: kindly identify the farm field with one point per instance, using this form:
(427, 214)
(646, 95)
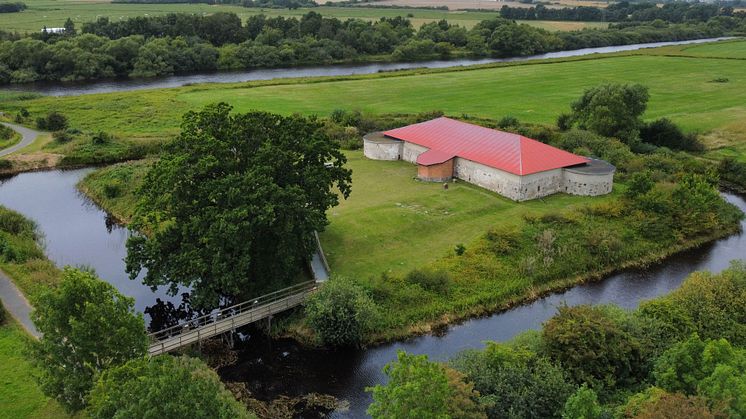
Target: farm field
(53, 13)
(483, 4)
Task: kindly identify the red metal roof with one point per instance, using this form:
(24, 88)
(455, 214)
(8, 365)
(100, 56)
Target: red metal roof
(431, 157)
(502, 150)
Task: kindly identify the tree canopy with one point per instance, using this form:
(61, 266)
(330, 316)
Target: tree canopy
(163, 387)
(418, 388)
(341, 313)
(87, 327)
(612, 110)
(231, 206)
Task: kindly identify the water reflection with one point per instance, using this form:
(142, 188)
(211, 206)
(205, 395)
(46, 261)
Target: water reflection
(76, 231)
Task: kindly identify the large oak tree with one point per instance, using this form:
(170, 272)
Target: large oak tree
(231, 206)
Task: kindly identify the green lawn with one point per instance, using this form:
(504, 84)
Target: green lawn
(53, 13)
(19, 395)
(391, 222)
(395, 223)
(730, 49)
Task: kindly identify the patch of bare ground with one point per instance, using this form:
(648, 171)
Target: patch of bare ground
(27, 162)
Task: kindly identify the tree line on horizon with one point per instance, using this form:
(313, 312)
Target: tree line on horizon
(183, 43)
(624, 11)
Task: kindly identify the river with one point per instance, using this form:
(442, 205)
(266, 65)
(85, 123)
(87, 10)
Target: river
(77, 232)
(123, 85)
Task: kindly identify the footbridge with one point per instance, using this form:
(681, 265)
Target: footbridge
(228, 319)
(250, 311)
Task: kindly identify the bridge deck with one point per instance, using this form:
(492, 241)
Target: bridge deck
(229, 319)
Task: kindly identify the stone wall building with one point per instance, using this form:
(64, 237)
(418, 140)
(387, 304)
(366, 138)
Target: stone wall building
(512, 165)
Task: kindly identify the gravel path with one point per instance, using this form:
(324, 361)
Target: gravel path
(28, 137)
(13, 299)
(16, 304)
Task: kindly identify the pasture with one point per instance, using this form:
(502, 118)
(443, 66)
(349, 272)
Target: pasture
(54, 13)
(687, 91)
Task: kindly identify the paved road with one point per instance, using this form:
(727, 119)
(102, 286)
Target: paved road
(16, 304)
(28, 137)
(13, 300)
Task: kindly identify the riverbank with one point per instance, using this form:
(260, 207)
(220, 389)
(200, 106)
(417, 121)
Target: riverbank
(532, 91)
(392, 225)
(377, 67)
(345, 375)
(489, 308)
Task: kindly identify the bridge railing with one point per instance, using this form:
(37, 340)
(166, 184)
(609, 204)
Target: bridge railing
(228, 312)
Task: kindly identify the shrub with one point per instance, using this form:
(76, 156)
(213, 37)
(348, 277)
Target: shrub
(2, 313)
(716, 304)
(460, 249)
(14, 223)
(664, 133)
(508, 121)
(582, 404)
(54, 121)
(18, 250)
(113, 189)
(733, 171)
(5, 164)
(593, 347)
(564, 122)
(163, 386)
(514, 383)
(62, 136)
(21, 116)
(101, 138)
(341, 313)
(430, 280)
(502, 241)
(418, 388)
(668, 405)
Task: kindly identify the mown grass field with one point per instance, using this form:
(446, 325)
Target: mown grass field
(54, 13)
(20, 397)
(391, 222)
(395, 223)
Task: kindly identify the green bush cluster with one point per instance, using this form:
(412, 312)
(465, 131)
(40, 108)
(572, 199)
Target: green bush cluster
(598, 362)
(3, 314)
(341, 313)
(6, 133)
(54, 121)
(733, 172)
(17, 238)
(664, 133)
(163, 386)
(430, 280)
